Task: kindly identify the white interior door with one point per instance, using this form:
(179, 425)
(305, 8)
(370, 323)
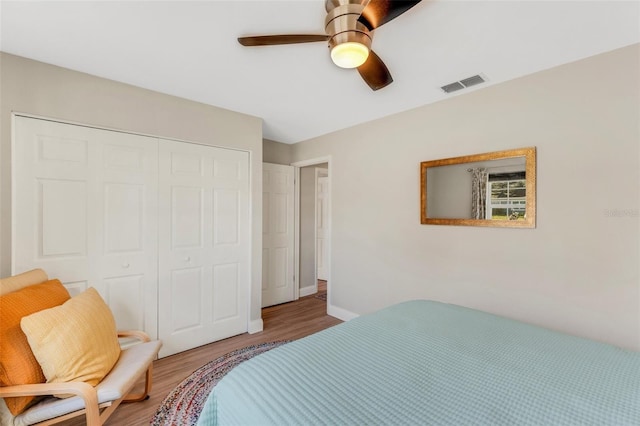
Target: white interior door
(204, 240)
(84, 211)
(277, 234)
(322, 223)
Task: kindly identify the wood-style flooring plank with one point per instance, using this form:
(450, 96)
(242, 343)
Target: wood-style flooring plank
(289, 321)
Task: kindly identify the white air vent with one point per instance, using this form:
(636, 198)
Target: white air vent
(467, 82)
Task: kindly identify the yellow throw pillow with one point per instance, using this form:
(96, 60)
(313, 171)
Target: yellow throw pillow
(18, 366)
(76, 341)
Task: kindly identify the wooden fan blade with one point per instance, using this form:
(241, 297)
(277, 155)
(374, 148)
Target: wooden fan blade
(379, 12)
(374, 72)
(271, 40)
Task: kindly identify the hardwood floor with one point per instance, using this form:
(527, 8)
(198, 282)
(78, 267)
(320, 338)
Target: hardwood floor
(288, 321)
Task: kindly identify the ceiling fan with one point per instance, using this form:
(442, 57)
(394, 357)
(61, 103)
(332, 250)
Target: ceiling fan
(349, 27)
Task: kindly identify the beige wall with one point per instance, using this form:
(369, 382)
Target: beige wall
(36, 88)
(276, 152)
(577, 272)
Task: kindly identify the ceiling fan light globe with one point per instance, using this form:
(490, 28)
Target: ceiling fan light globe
(350, 54)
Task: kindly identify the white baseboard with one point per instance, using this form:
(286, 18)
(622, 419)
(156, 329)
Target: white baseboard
(308, 291)
(341, 314)
(255, 326)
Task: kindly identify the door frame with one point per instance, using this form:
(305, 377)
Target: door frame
(298, 165)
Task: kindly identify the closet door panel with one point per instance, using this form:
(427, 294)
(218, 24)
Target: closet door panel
(226, 292)
(125, 295)
(187, 285)
(124, 208)
(52, 219)
(62, 216)
(127, 186)
(226, 208)
(231, 241)
(187, 222)
(85, 211)
(204, 245)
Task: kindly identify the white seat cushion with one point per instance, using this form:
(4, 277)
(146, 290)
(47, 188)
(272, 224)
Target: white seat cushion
(131, 365)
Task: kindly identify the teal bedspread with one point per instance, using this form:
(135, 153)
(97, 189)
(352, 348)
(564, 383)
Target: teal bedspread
(429, 363)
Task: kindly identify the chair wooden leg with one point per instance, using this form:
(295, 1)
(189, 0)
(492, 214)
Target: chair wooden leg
(109, 410)
(147, 388)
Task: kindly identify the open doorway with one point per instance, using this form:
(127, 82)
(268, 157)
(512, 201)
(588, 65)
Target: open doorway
(322, 221)
(313, 226)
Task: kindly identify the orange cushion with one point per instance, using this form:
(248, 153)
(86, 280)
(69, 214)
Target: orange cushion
(18, 365)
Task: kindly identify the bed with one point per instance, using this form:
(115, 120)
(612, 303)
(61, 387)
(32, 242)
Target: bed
(425, 362)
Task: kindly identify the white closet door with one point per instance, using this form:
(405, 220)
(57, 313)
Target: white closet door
(53, 227)
(84, 211)
(277, 234)
(204, 240)
(127, 203)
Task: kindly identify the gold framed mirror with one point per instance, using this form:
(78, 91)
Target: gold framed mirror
(491, 189)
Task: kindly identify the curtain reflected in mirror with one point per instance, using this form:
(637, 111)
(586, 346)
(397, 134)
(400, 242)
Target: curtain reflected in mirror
(479, 177)
(492, 189)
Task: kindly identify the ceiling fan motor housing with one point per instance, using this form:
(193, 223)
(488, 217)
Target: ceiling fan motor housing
(342, 25)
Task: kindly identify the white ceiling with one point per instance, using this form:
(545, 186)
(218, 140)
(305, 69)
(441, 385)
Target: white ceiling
(189, 49)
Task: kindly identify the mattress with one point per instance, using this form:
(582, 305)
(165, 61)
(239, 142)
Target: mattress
(425, 362)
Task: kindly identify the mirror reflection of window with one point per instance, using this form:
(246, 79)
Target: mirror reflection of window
(506, 196)
(491, 189)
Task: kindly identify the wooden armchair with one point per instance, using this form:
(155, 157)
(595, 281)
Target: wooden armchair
(95, 403)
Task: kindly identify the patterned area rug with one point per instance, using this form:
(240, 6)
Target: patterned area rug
(183, 405)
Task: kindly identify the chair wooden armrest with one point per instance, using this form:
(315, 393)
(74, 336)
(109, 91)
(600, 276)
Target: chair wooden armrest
(81, 389)
(140, 335)
(143, 337)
